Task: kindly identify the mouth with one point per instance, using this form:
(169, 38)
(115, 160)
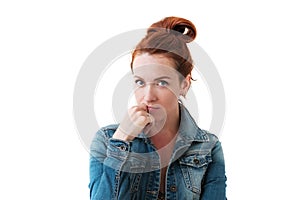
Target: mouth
(152, 108)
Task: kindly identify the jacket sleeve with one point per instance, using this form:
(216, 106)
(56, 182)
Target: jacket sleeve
(107, 157)
(214, 183)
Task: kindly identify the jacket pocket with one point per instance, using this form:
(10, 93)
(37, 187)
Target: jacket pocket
(193, 167)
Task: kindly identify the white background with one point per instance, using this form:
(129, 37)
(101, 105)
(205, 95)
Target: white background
(254, 45)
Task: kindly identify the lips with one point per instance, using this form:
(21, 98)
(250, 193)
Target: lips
(152, 107)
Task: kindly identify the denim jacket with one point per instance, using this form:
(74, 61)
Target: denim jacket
(131, 170)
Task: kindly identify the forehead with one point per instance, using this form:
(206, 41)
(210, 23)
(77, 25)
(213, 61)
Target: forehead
(146, 65)
(147, 59)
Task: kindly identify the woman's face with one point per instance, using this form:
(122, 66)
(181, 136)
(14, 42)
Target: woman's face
(157, 84)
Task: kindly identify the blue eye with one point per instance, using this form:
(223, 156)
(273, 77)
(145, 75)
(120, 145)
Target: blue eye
(162, 83)
(139, 82)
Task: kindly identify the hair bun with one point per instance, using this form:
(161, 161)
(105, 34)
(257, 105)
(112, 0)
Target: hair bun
(180, 27)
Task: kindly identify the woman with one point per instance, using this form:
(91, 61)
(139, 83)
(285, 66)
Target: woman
(158, 151)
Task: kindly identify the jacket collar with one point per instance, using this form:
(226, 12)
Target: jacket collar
(188, 129)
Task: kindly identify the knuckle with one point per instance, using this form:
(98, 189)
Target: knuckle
(139, 113)
(141, 120)
(134, 108)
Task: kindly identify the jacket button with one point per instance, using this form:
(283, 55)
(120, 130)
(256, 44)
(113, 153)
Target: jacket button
(196, 161)
(173, 188)
(123, 148)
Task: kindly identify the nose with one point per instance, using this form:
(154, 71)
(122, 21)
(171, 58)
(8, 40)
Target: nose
(150, 93)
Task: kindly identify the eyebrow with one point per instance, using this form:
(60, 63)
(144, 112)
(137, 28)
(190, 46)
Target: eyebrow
(158, 78)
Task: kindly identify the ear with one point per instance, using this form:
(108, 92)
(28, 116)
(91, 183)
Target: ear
(185, 85)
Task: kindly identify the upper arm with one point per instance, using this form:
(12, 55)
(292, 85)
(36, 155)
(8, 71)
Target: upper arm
(106, 161)
(97, 155)
(214, 183)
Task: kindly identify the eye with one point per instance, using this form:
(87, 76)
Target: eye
(162, 83)
(139, 83)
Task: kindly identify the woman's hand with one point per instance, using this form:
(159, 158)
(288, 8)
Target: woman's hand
(133, 123)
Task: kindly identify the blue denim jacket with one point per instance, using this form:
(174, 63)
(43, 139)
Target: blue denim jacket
(131, 170)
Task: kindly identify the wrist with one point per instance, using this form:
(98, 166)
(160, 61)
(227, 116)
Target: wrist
(120, 135)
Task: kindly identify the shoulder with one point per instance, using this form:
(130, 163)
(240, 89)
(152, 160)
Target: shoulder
(215, 144)
(100, 140)
(107, 131)
(211, 136)
(205, 140)
(205, 136)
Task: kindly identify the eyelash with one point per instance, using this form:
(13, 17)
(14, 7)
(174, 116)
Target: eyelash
(160, 83)
(139, 82)
(165, 83)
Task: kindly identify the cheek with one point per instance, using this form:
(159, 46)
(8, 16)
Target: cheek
(173, 99)
(169, 96)
(174, 91)
(138, 95)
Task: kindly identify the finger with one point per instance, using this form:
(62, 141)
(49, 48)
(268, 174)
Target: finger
(144, 107)
(140, 107)
(142, 121)
(150, 118)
